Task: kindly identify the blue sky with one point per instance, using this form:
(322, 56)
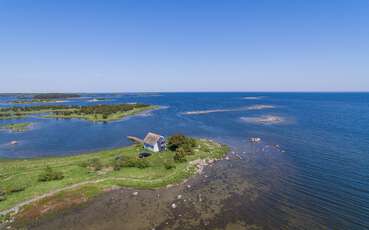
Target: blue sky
(187, 45)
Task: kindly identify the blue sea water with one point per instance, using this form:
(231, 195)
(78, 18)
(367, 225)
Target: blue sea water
(315, 144)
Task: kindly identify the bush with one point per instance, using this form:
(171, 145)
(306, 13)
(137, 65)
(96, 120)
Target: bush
(93, 164)
(118, 163)
(176, 141)
(16, 188)
(169, 165)
(2, 195)
(180, 155)
(49, 175)
(181, 141)
(137, 163)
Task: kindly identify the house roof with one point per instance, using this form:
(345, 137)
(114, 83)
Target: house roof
(152, 138)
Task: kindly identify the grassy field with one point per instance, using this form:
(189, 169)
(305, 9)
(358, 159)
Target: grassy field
(19, 179)
(17, 127)
(100, 117)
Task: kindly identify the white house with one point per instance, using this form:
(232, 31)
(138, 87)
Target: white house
(154, 142)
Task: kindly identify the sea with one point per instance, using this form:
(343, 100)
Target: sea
(310, 169)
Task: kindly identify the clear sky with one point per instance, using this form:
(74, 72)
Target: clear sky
(184, 45)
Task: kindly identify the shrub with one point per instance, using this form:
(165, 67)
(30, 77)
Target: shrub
(179, 140)
(93, 164)
(118, 163)
(180, 155)
(49, 175)
(137, 163)
(176, 141)
(2, 195)
(169, 165)
(16, 188)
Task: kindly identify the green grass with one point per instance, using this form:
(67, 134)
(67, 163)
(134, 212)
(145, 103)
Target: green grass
(17, 127)
(24, 173)
(7, 115)
(74, 113)
(100, 118)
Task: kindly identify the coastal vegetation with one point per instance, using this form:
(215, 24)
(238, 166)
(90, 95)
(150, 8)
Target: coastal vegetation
(46, 96)
(20, 112)
(43, 98)
(104, 113)
(17, 127)
(22, 180)
(32, 101)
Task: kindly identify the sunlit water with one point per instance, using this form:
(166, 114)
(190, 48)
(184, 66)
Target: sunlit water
(311, 170)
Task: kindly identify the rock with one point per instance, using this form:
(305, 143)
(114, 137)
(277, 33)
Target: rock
(174, 206)
(211, 161)
(200, 199)
(14, 142)
(179, 197)
(135, 193)
(227, 158)
(255, 139)
(188, 186)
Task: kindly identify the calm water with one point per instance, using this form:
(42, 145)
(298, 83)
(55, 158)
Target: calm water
(311, 170)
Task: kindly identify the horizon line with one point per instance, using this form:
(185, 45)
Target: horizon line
(210, 91)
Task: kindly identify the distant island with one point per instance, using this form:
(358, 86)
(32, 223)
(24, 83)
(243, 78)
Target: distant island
(102, 113)
(36, 101)
(82, 177)
(17, 127)
(44, 96)
(96, 113)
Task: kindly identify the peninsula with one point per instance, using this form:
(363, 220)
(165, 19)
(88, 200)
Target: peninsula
(93, 173)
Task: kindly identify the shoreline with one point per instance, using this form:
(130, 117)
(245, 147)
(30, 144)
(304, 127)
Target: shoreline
(154, 177)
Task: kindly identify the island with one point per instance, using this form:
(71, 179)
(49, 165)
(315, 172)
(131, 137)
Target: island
(21, 112)
(56, 182)
(46, 96)
(96, 113)
(103, 113)
(17, 127)
(34, 101)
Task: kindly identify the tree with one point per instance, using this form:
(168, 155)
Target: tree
(176, 141)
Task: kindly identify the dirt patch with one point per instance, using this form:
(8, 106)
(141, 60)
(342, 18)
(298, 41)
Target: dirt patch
(55, 203)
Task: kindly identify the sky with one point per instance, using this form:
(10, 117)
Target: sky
(184, 45)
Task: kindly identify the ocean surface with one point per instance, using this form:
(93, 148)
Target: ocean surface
(310, 171)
